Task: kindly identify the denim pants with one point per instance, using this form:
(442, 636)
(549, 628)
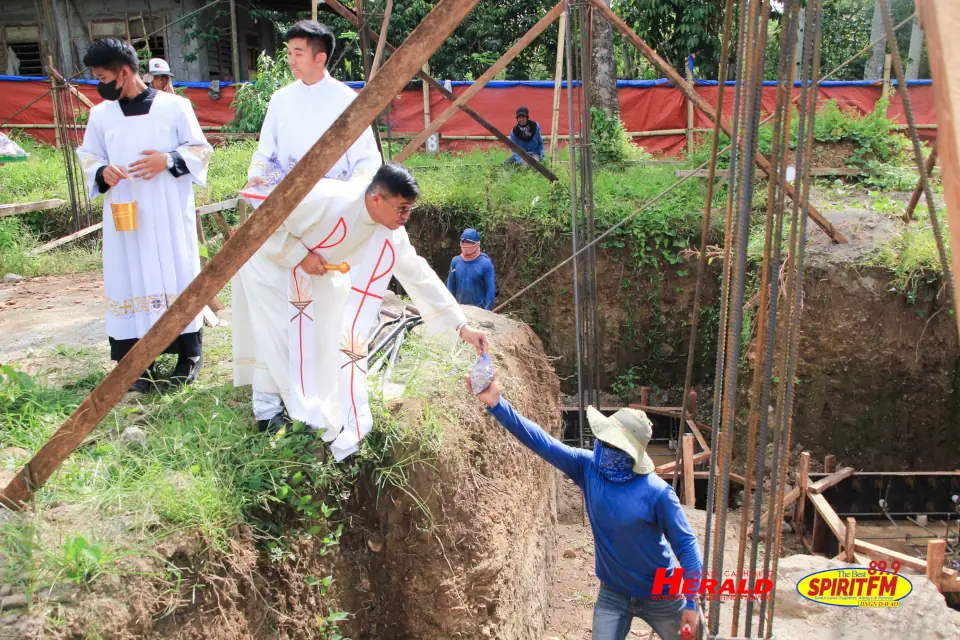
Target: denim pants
(614, 612)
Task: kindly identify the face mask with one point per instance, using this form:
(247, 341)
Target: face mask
(615, 465)
(109, 90)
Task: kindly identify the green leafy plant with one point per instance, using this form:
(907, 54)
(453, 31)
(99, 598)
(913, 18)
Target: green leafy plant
(252, 99)
(611, 143)
(81, 560)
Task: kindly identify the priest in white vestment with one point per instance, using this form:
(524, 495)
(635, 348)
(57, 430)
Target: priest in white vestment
(308, 342)
(298, 115)
(147, 147)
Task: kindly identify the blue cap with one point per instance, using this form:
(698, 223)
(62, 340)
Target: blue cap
(470, 235)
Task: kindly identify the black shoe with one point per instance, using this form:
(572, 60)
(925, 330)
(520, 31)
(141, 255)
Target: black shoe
(147, 381)
(274, 424)
(186, 371)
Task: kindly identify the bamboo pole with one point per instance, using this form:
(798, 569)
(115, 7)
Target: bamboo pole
(426, 101)
(689, 115)
(313, 9)
(234, 43)
(382, 40)
(557, 77)
(671, 74)
(481, 82)
(435, 28)
(887, 61)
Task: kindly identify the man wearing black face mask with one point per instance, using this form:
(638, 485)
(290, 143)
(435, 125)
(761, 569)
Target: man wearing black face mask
(145, 147)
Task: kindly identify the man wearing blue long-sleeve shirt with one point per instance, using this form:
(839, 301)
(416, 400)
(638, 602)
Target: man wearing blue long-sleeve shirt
(471, 279)
(635, 516)
(527, 136)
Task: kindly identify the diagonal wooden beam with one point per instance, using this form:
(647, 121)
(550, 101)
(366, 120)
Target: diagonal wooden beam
(688, 90)
(399, 69)
(941, 22)
(482, 81)
(436, 86)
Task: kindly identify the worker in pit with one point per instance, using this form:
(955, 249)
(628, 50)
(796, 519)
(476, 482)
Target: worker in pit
(527, 136)
(635, 517)
(472, 280)
(161, 78)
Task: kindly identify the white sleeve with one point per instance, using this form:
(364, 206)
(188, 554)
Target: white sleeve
(93, 153)
(289, 244)
(267, 149)
(193, 146)
(438, 308)
(363, 157)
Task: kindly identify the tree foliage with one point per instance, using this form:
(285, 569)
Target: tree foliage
(678, 28)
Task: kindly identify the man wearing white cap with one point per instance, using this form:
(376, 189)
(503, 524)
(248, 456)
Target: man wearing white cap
(160, 77)
(635, 517)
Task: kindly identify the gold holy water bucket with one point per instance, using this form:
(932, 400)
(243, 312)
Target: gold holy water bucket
(125, 213)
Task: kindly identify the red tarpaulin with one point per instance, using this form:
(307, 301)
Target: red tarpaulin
(642, 109)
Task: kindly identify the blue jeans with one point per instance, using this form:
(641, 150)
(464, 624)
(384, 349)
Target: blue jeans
(614, 612)
(515, 159)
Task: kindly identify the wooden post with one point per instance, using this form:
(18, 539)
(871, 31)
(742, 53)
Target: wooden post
(689, 113)
(432, 31)
(819, 535)
(689, 495)
(242, 209)
(234, 41)
(382, 40)
(645, 396)
(426, 101)
(557, 78)
(708, 109)
(802, 481)
(482, 81)
(936, 554)
(436, 86)
(364, 43)
(849, 542)
(886, 76)
(941, 22)
(313, 9)
(918, 190)
(692, 405)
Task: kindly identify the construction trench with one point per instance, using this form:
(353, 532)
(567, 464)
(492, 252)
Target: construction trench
(743, 453)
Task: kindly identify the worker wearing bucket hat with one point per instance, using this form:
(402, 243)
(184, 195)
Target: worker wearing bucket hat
(635, 517)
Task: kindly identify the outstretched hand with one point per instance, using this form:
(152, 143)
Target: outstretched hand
(489, 396)
(475, 337)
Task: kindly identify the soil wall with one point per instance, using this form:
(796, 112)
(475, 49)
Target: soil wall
(879, 376)
(481, 563)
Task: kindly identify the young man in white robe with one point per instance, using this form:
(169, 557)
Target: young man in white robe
(298, 115)
(144, 146)
(309, 345)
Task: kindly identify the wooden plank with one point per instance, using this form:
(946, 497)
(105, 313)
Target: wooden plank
(482, 81)
(802, 482)
(28, 207)
(432, 31)
(688, 90)
(223, 205)
(668, 467)
(689, 494)
(936, 555)
(876, 552)
(222, 223)
(848, 541)
(918, 190)
(941, 23)
(64, 240)
(834, 478)
(819, 536)
(243, 208)
(436, 86)
(209, 317)
(949, 585)
(698, 435)
(829, 515)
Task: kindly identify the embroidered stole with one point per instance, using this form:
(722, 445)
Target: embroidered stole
(369, 281)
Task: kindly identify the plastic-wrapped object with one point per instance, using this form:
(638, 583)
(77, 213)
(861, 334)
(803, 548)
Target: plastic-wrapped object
(10, 151)
(481, 374)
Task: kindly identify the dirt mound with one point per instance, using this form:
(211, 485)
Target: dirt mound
(922, 614)
(479, 565)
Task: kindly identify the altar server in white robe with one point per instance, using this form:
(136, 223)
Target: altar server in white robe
(144, 146)
(309, 345)
(298, 115)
